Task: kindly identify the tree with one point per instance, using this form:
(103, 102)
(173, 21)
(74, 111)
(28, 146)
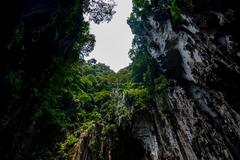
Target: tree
(92, 61)
(99, 10)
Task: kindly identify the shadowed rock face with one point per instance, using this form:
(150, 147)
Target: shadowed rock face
(200, 55)
(28, 46)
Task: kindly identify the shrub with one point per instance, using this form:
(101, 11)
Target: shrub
(108, 128)
(102, 96)
(137, 97)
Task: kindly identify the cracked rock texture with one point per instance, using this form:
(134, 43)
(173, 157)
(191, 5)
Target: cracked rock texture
(200, 119)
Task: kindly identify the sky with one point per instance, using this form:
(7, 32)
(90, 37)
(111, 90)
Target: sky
(114, 39)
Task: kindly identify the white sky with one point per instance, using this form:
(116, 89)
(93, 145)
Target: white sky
(114, 39)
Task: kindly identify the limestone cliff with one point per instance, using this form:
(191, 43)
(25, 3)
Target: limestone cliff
(196, 46)
(178, 99)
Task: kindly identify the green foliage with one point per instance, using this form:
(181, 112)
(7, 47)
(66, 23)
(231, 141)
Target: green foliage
(161, 85)
(138, 97)
(108, 129)
(86, 82)
(84, 98)
(57, 117)
(146, 86)
(66, 96)
(102, 96)
(140, 66)
(175, 11)
(122, 114)
(142, 4)
(71, 139)
(86, 116)
(159, 91)
(45, 83)
(85, 42)
(65, 145)
(136, 24)
(86, 125)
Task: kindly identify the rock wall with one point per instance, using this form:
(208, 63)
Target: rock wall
(200, 56)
